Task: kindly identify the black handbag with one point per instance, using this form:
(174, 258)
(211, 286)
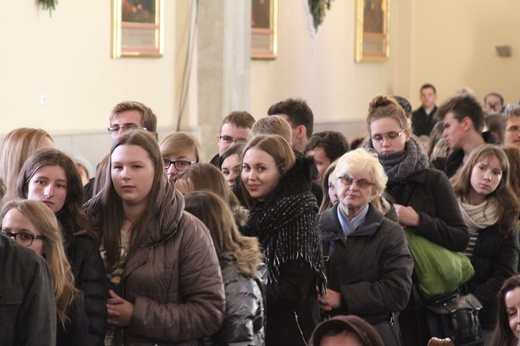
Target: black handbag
(456, 318)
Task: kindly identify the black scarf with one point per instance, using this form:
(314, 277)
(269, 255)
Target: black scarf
(285, 224)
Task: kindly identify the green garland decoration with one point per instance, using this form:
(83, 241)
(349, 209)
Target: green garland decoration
(318, 8)
(48, 5)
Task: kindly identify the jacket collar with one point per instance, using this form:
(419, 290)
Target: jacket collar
(331, 229)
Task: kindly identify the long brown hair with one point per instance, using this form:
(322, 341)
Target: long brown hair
(503, 335)
(278, 148)
(108, 206)
(45, 221)
(216, 215)
(71, 217)
(508, 205)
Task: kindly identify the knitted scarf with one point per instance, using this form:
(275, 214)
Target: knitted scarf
(402, 164)
(480, 216)
(285, 224)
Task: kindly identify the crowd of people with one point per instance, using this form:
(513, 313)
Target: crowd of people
(284, 237)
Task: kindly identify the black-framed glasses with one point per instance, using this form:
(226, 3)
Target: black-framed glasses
(117, 128)
(389, 136)
(22, 238)
(230, 140)
(179, 165)
(347, 180)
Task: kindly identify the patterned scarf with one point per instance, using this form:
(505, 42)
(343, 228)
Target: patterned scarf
(402, 164)
(480, 216)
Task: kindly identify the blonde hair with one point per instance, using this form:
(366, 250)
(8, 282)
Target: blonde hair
(178, 142)
(360, 161)
(16, 147)
(45, 221)
(273, 126)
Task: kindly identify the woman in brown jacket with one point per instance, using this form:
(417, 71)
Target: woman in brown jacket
(166, 283)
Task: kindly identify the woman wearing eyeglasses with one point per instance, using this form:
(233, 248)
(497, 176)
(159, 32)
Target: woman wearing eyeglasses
(51, 176)
(179, 151)
(423, 197)
(369, 264)
(32, 224)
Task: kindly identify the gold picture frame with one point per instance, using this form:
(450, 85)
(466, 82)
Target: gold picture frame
(372, 30)
(263, 29)
(137, 28)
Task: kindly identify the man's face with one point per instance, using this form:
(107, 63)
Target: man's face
(428, 97)
(321, 161)
(492, 104)
(454, 131)
(230, 134)
(125, 120)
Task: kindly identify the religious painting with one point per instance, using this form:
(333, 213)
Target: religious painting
(137, 28)
(263, 29)
(372, 30)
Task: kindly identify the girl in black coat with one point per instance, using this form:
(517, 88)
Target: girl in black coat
(50, 176)
(276, 188)
(423, 197)
(490, 209)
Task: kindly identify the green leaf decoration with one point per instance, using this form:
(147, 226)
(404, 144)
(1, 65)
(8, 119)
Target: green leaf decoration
(318, 9)
(48, 5)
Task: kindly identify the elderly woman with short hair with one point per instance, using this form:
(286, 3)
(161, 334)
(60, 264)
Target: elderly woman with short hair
(370, 266)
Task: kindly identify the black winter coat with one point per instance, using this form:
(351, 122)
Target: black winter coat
(90, 277)
(371, 268)
(244, 317)
(494, 259)
(285, 225)
(430, 194)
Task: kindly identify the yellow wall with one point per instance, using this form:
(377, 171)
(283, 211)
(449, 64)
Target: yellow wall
(67, 58)
(453, 45)
(320, 70)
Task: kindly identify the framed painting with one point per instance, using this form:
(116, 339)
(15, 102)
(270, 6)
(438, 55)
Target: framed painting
(137, 28)
(263, 29)
(372, 30)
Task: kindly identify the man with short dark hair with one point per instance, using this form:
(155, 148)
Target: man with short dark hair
(299, 115)
(423, 118)
(235, 127)
(126, 115)
(326, 147)
(463, 121)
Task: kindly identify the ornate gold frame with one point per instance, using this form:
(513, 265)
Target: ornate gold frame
(372, 30)
(140, 34)
(263, 35)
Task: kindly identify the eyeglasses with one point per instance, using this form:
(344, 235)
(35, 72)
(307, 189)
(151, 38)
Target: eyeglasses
(513, 128)
(22, 238)
(230, 140)
(117, 128)
(179, 165)
(389, 136)
(347, 180)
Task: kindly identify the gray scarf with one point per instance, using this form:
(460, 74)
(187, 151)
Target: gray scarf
(402, 164)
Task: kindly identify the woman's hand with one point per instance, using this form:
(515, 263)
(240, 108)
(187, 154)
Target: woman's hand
(119, 310)
(407, 215)
(330, 300)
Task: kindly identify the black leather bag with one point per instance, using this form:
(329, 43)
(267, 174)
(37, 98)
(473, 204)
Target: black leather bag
(456, 318)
